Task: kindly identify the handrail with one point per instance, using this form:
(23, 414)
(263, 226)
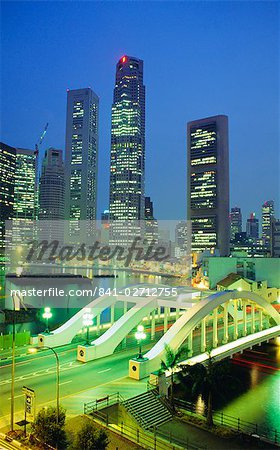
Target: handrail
(235, 423)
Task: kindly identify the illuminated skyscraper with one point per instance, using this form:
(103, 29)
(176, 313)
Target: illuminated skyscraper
(235, 219)
(7, 188)
(208, 184)
(81, 154)
(52, 186)
(252, 227)
(267, 218)
(275, 238)
(151, 224)
(128, 142)
(25, 184)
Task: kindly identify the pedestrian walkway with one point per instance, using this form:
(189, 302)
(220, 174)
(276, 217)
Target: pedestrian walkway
(183, 430)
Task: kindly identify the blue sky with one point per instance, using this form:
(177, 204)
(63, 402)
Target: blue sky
(200, 59)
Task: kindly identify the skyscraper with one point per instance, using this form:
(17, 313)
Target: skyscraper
(235, 219)
(252, 227)
(7, 188)
(151, 224)
(128, 142)
(52, 187)
(181, 239)
(208, 184)
(275, 238)
(81, 154)
(267, 218)
(25, 184)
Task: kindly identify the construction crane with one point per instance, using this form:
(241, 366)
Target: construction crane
(38, 144)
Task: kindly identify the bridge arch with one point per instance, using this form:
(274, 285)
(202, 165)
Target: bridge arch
(180, 330)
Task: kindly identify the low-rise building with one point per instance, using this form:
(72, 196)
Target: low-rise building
(233, 281)
(214, 269)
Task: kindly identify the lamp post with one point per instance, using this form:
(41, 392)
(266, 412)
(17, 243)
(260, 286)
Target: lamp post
(140, 336)
(87, 322)
(47, 315)
(35, 350)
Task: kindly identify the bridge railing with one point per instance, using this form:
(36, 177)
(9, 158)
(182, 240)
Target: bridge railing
(234, 423)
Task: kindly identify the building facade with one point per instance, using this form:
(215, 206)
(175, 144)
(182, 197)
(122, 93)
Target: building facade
(127, 166)
(215, 269)
(7, 188)
(252, 227)
(151, 224)
(267, 218)
(25, 184)
(52, 186)
(208, 184)
(235, 219)
(81, 154)
(275, 239)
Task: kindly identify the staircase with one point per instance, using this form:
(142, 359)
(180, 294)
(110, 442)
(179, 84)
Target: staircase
(147, 410)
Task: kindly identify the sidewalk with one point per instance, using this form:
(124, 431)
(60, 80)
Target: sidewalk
(204, 438)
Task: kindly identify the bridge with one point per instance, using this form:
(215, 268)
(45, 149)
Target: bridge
(235, 321)
(262, 315)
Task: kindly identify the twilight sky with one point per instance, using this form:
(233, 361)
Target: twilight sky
(201, 58)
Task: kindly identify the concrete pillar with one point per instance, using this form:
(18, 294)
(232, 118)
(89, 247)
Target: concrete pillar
(112, 319)
(124, 307)
(203, 335)
(153, 325)
(225, 338)
(190, 344)
(260, 320)
(253, 324)
(169, 313)
(158, 314)
(244, 307)
(98, 324)
(177, 313)
(215, 327)
(235, 321)
(165, 323)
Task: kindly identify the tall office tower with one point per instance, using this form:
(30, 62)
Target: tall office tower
(127, 171)
(252, 227)
(52, 195)
(181, 239)
(267, 217)
(208, 184)
(235, 219)
(81, 154)
(25, 184)
(275, 238)
(7, 188)
(151, 224)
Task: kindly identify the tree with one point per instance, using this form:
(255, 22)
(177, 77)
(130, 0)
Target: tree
(172, 358)
(46, 429)
(208, 380)
(91, 438)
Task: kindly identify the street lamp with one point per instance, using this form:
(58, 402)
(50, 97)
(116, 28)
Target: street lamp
(87, 322)
(35, 350)
(140, 336)
(47, 315)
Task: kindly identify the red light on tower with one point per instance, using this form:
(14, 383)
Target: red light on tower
(123, 59)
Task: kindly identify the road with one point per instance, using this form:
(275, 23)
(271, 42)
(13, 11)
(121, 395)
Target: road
(79, 382)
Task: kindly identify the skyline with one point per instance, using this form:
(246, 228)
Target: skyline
(170, 104)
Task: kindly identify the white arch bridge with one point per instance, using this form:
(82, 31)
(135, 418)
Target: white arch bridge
(262, 324)
(227, 321)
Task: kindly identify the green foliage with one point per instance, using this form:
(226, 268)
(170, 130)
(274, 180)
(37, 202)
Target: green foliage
(91, 438)
(172, 358)
(47, 430)
(212, 379)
